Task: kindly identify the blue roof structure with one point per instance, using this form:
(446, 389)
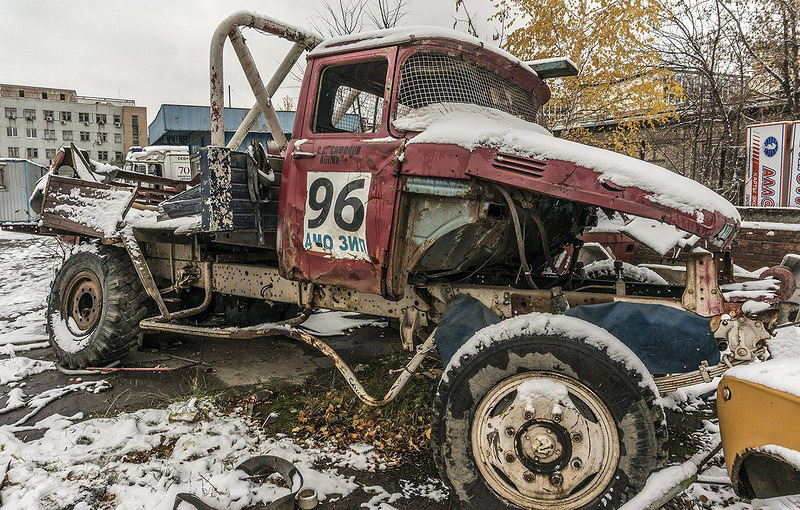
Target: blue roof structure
(177, 124)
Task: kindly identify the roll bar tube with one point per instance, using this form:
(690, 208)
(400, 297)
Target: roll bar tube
(230, 28)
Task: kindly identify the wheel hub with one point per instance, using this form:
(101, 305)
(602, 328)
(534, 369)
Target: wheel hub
(541, 438)
(83, 302)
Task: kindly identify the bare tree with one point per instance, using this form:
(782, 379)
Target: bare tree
(339, 17)
(388, 13)
(287, 103)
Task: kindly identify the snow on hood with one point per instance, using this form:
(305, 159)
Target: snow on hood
(778, 374)
(472, 126)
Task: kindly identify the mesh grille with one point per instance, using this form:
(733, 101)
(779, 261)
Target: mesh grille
(430, 78)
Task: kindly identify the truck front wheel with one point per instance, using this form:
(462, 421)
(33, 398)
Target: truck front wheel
(546, 412)
(94, 308)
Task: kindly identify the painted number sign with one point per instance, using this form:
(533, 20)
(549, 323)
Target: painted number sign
(336, 213)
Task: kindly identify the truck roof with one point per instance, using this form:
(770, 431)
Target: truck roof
(401, 35)
(157, 152)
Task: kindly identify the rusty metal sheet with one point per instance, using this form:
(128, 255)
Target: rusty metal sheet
(702, 294)
(84, 207)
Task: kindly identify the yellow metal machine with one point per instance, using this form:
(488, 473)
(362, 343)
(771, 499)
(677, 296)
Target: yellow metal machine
(759, 417)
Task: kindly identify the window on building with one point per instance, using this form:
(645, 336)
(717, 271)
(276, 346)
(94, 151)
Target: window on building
(66, 136)
(21, 93)
(12, 132)
(29, 113)
(63, 97)
(13, 152)
(44, 95)
(48, 114)
(66, 116)
(49, 134)
(101, 118)
(83, 117)
(84, 136)
(102, 137)
(135, 129)
(2, 177)
(118, 156)
(102, 155)
(117, 137)
(50, 153)
(32, 153)
(117, 120)
(351, 98)
(11, 113)
(30, 132)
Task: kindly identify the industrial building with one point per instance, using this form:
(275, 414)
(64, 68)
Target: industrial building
(36, 121)
(18, 178)
(190, 125)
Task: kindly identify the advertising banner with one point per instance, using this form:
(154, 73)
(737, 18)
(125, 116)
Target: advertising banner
(794, 166)
(766, 179)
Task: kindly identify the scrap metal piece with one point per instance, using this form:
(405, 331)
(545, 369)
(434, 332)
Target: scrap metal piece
(261, 466)
(702, 295)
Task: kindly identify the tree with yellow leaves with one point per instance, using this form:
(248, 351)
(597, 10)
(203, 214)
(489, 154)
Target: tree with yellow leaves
(621, 82)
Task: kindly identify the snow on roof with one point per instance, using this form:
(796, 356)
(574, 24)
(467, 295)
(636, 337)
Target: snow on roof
(472, 126)
(778, 374)
(392, 36)
(21, 160)
(157, 152)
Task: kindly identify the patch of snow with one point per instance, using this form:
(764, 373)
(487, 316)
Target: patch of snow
(558, 325)
(149, 220)
(332, 323)
(472, 127)
(606, 224)
(754, 307)
(604, 269)
(124, 457)
(769, 225)
(690, 398)
(785, 343)
(102, 212)
(63, 337)
(18, 368)
(778, 374)
(16, 400)
(751, 290)
(544, 388)
(659, 236)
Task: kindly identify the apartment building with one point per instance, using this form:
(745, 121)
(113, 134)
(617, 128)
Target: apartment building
(36, 121)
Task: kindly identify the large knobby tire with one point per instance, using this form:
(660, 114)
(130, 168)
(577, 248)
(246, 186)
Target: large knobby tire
(95, 305)
(509, 410)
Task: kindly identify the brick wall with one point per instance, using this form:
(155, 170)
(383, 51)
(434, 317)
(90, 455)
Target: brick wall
(759, 247)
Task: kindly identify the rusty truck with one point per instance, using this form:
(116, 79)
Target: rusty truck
(419, 185)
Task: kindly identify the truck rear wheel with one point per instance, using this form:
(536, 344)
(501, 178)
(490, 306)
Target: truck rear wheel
(546, 418)
(94, 308)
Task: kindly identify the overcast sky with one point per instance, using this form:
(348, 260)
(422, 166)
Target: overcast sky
(154, 52)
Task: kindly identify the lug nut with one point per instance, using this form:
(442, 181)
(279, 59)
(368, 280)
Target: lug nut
(556, 478)
(510, 431)
(577, 437)
(527, 476)
(528, 415)
(557, 417)
(577, 463)
(510, 458)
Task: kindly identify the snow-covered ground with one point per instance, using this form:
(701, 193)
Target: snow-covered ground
(27, 265)
(141, 459)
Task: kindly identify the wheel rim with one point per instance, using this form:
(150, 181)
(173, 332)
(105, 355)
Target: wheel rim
(83, 303)
(542, 440)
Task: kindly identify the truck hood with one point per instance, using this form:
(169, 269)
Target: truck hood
(505, 149)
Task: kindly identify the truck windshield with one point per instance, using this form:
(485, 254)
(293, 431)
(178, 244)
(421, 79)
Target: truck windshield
(429, 78)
